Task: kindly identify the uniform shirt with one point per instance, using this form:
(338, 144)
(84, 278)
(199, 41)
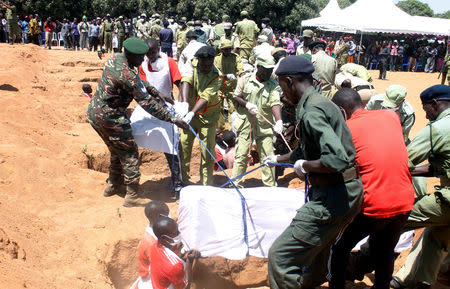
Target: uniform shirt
(117, 87)
(181, 39)
(120, 26)
(148, 240)
(420, 147)
(264, 95)
(262, 49)
(219, 31)
(382, 163)
(207, 86)
(229, 65)
(167, 269)
(325, 69)
(405, 112)
(323, 133)
(246, 29)
(187, 55)
(301, 49)
(234, 40)
(143, 29)
(357, 70)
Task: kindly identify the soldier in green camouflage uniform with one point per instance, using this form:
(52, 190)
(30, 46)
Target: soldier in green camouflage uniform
(118, 86)
(120, 26)
(108, 28)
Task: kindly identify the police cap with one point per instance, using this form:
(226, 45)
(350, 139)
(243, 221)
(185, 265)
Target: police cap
(437, 92)
(135, 45)
(294, 65)
(206, 52)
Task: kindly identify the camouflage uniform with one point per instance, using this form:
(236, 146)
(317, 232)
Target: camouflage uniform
(117, 87)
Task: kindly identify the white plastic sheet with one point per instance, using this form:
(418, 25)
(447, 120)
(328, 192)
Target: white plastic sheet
(210, 219)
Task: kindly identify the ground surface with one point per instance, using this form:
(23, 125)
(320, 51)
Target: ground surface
(56, 228)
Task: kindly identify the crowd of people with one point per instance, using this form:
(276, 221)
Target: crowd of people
(252, 95)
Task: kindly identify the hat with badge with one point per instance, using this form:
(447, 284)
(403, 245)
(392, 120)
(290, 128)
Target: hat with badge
(394, 96)
(206, 52)
(266, 61)
(435, 92)
(135, 45)
(226, 43)
(308, 33)
(294, 65)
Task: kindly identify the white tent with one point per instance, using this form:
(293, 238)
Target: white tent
(331, 9)
(437, 26)
(377, 16)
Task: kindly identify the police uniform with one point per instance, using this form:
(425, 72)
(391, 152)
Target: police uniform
(219, 31)
(108, 28)
(249, 127)
(143, 27)
(246, 30)
(235, 42)
(181, 37)
(209, 87)
(117, 87)
(228, 65)
(433, 210)
(303, 49)
(334, 198)
(120, 26)
(325, 69)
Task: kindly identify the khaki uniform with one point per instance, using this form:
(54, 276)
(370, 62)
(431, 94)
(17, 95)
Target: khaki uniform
(181, 40)
(108, 28)
(298, 258)
(325, 69)
(246, 30)
(143, 29)
(253, 127)
(218, 31)
(120, 26)
(234, 40)
(229, 65)
(209, 87)
(433, 210)
(301, 49)
(357, 70)
(262, 49)
(445, 75)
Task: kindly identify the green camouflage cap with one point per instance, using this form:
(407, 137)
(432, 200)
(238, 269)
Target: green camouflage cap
(394, 96)
(266, 61)
(135, 45)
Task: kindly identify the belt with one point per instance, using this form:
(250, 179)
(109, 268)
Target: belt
(327, 180)
(361, 87)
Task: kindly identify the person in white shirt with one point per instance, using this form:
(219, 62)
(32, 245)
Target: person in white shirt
(188, 53)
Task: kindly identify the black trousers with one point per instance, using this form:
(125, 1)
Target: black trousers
(383, 68)
(175, 170)
(384, 234)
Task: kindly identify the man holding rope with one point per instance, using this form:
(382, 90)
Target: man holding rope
(258, 99)
(326, 156)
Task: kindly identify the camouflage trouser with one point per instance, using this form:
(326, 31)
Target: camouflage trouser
(124, 166)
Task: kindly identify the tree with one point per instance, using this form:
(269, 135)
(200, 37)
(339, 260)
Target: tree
(414, 7)
(445, 15)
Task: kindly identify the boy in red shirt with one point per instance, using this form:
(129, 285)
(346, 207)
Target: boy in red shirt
(382, 161)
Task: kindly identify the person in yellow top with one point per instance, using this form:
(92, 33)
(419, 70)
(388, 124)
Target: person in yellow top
(202, 87)
(230, 65)
(257, 97)
(246, 30)
(33, 30)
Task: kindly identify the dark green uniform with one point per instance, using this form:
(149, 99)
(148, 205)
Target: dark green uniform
(120, 26)
(334, 199)
(117, 87)
(108, 28)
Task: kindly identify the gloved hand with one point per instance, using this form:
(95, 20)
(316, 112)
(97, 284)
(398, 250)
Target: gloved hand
(231, 76)
(270, 159)
(188, 117)
(278, 127)
(299, 170)
(182, 108)
(252, 108)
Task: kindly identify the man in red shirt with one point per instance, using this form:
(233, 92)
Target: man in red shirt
(49, 27)
(162, 72)
(168, 269)
(382, 161)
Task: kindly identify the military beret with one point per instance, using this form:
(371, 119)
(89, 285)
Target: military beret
(294, 65)
(206, 52)
(226, 43)
(191, 34)
(135, 45)
(227, 25)
(437, 92)
(265, 19)
(308, 33)
(394, 96)
(244, 13)
(319, 43)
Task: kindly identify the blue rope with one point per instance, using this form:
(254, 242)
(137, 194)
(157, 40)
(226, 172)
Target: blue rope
(244, 215)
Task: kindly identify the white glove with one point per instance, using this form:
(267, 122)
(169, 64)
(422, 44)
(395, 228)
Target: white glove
(252, 108)
(188, 117)
(299, 170)
(270, 159)
(231, 76)
(278, 127)
(182, 108)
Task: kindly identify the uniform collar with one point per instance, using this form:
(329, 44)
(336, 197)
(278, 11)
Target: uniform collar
(309, 91)
(443, 114)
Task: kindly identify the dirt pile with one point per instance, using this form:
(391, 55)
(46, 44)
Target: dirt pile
(56, 228)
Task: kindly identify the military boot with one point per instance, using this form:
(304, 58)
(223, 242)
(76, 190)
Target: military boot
(114, 189)
(132, 198)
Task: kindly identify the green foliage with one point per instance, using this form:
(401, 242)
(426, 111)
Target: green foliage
(445, 15)
(414, 7)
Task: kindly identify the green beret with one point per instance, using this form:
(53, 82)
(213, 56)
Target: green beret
(135, 45)
(206, 52)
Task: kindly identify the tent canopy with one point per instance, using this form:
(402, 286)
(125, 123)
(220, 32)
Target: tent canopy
(378, 16)
(331, 9)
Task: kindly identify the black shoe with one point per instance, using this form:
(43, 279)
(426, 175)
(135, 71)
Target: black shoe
(395, 284)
